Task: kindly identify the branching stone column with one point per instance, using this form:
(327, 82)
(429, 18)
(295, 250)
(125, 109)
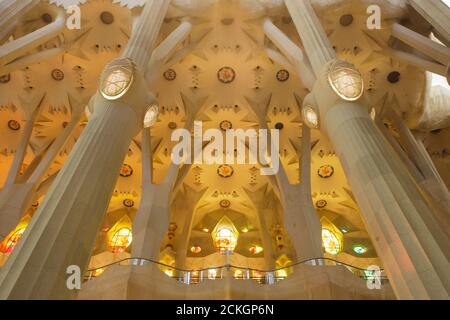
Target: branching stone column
(11, 11)
(152, 218)
(64, 229)
(18, 196)
(412, 246)
(304, 227)
(437, 13)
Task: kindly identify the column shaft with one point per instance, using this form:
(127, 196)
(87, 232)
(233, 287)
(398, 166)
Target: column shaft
(436, 13)
(314, 38)
(63, 231)
(142, 43)
(64, 228)
(411, 244)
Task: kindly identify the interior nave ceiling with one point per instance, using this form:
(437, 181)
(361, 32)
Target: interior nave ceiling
(223, 68)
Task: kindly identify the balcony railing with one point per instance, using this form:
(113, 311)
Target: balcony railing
(268, 277)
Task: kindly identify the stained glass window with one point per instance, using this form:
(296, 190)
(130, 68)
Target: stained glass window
(225, 240)
(225, 236)
(12, 241)
(331, 242)
(121, 240)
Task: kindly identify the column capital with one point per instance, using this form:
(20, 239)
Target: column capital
(338, 81)
(123, 82)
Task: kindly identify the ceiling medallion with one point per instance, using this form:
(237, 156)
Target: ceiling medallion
(225, 171)
(5, 78)
(170, 75)
(107, 17)
(325, 171)
(225, 203)
(226, 125)
(346, 20)
(57, 74)
(117, 79)
(393, 77)
(172, 125)
(321, 203)
(47, 18)
(126, 170)
(283, 75)
(14, 125)
(345, 80)
(128, 203)
(226, 75)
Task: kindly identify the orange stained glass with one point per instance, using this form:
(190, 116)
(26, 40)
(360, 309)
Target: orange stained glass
(121, 240)
(12, 241)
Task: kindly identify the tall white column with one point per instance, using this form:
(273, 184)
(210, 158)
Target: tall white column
(437, 14)
(17, 197)
(260, 201)
(65, 226)
(412, 246)
(315, 40)
(152, 218)
(308, 242)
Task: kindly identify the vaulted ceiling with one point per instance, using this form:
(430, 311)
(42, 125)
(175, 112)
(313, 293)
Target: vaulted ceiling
(253, 92)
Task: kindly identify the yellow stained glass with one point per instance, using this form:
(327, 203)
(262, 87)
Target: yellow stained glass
(225, 236)
(121, 240)
(12, 240)
(331, 242)
(225, 240)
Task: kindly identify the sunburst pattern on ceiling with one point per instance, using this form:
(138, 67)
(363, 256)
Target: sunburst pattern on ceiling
(254, 92)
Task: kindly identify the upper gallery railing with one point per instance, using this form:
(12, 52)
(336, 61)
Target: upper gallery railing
(244, 273)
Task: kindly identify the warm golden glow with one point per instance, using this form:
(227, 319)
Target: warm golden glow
(121, 240)
(346, 81)
(212, 274)
(255, 249)
(98, 272)
(330, 242)
(196, 249)
(281, 274)
(169, 272)
(225, 240)
(225, 236)
(284, 266)
(12, 240)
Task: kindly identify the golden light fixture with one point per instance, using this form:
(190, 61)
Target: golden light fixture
(117, 78)
(151, 116)
(310, 117)
(212, 274)
(238, 274)
(346, 81)
(196, 249)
